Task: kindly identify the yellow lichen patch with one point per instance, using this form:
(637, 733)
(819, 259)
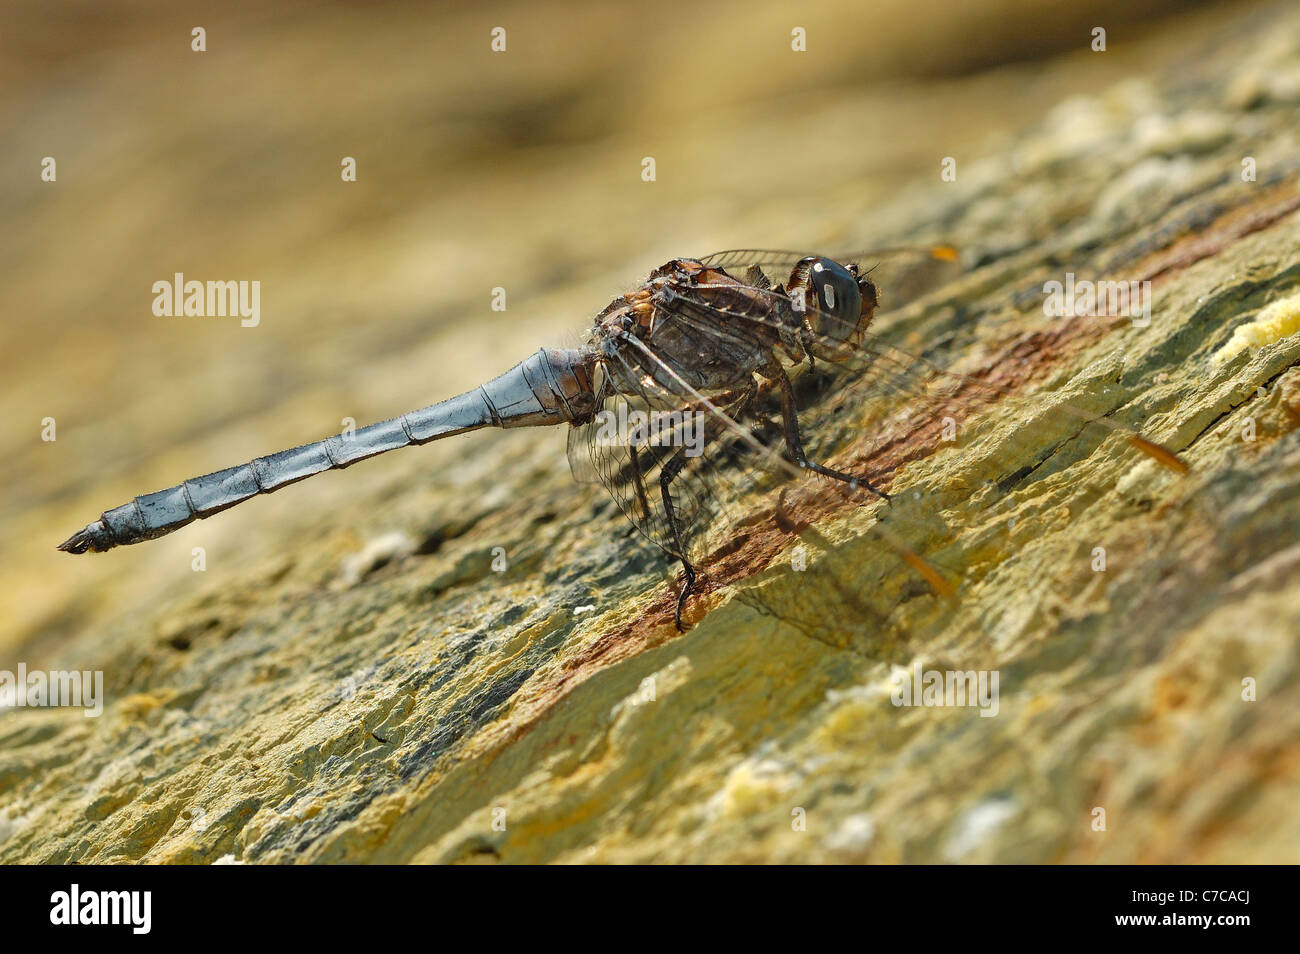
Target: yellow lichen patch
(140, 704)
(848, 723)
(1279, 320)
(751, 787)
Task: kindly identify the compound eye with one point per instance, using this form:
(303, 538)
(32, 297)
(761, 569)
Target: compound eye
(839, 301)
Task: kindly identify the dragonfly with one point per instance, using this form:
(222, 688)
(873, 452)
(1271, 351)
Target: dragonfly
(711, 379)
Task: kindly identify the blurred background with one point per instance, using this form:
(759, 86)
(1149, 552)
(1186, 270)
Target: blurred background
(475, 169)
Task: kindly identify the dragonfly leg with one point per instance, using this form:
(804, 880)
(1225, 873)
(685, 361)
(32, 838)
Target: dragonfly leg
(807, 338)
(795, 443)
(666, 475)
(638, 478)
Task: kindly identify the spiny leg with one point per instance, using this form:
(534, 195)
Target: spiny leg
(736, 405)
(638, 480)
(666, 474)
(795, 443)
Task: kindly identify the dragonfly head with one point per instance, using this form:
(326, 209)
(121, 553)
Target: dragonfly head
(838, 301)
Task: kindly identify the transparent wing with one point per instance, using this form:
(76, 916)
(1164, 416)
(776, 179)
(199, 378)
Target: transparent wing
(786, 258)
(908, 270)
(642, 430)
(857, 369)
(943, 444)
(769, 257)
